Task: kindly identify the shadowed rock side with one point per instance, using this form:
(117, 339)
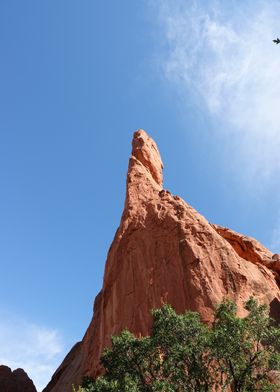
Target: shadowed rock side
(163, 251)
(15, 381)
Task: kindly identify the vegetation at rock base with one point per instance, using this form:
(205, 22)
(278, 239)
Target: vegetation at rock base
(183, 354)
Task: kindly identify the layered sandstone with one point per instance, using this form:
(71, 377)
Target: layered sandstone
(165, 252)
(15, 381)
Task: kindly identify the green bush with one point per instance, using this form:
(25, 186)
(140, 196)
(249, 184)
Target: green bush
(183, 354)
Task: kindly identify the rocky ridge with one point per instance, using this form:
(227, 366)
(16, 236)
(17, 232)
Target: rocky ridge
(164, 251)
(15, 381)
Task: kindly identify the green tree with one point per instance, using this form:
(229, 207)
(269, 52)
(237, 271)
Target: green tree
(183, 354)
(245, 350)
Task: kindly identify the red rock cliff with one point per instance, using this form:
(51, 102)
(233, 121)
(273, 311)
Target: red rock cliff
(165, 251)
(15, 381)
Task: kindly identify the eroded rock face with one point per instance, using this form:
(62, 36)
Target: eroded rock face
(250, 249)
(164, 252)
(15, 381)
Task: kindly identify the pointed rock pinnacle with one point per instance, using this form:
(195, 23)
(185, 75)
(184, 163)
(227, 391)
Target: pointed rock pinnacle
(145, 150)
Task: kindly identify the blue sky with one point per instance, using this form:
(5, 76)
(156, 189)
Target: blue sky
(77, 78)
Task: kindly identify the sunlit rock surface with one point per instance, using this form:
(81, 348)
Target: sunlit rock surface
(164, 251)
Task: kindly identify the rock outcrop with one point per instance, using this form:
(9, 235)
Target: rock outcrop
(165, 252)
(250, 249)
(15, 381)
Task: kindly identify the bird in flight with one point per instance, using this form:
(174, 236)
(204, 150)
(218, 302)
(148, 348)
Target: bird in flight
(276, 41)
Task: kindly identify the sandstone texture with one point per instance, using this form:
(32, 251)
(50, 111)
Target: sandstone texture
(164, 251)
(15, 381)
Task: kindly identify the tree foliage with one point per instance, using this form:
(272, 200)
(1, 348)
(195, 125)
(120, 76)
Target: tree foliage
(183, 354)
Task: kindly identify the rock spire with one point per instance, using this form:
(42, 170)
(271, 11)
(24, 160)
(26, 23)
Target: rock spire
(165, 252)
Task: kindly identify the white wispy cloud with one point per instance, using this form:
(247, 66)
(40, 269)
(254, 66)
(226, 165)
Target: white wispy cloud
(221, 53)
(36, 349)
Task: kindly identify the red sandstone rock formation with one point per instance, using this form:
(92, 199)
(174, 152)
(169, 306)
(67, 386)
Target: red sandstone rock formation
(164, 251)
(16, 381)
